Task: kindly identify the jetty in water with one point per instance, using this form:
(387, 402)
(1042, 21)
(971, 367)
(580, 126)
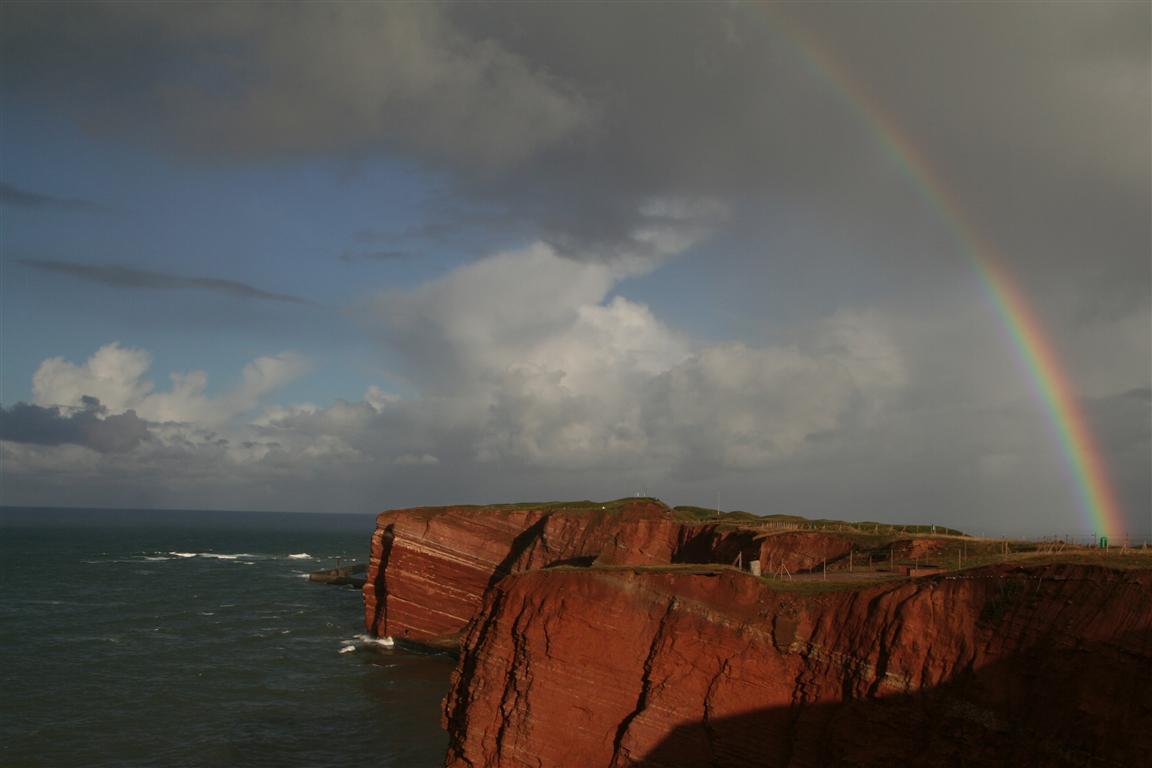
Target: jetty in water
(354, 574)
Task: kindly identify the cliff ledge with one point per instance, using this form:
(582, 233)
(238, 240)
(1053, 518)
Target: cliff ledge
(619, 634)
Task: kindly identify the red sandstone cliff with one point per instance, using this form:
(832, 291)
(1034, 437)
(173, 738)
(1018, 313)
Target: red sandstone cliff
(1041, 666)
(430, 566)
(617, 665)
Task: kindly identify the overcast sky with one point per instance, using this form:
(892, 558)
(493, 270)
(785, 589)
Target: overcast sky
(349, 257)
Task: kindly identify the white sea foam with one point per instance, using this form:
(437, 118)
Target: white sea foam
(382, 642)
(347, 649)
(148, 557)
(210, 555)
(301, 556)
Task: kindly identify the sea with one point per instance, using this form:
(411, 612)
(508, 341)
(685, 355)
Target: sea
(164, 638)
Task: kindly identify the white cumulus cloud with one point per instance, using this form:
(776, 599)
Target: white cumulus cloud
(116, 376)
(559, 373)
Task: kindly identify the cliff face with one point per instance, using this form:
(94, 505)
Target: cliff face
(1039, 666)
(797, 551)
(589, 639)
(430, 566)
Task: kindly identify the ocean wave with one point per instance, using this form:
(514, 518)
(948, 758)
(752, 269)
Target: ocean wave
(378, 642)
(301, 556)
(213, 555)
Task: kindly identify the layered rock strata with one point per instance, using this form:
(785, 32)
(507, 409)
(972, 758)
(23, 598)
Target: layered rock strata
(431, 566)
(1022, 666)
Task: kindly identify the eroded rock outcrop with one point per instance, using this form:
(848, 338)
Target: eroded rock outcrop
(590, 638)
(797, 551)
(431, 566)
(1038, 666)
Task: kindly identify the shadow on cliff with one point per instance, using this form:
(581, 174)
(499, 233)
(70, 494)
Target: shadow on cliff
(1088, 704)
(706, 544)
(381, 582)
(523, 541)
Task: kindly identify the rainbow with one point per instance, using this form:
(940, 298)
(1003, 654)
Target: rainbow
(1033, 346)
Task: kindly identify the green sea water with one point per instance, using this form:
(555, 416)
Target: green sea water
(152, 638)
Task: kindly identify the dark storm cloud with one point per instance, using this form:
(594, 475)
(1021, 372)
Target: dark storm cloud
(238, 79)
(567, 119)
(22, 198)
(89, 427)
(130, 277)
(1035, 117)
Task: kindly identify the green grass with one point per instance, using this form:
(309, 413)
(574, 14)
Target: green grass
(959, 553)
(1112, 558)
(583, 505)
(839, 581)
(690, 514)
(804, 585)
(785, 522)
(706, 515)
(819, 586)
(614, 505)
(700, 569)
(917, 530)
